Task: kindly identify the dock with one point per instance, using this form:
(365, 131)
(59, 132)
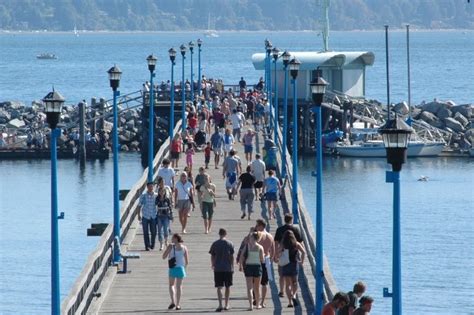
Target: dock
(102, 289)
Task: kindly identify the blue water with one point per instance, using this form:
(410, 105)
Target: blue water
(437, 215)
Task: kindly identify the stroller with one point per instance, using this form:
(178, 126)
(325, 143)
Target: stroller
(200, 140)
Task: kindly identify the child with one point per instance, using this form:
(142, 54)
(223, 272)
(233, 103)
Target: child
(207, 154)
(189, 156)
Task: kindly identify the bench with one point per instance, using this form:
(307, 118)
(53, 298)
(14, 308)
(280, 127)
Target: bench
(125, 256)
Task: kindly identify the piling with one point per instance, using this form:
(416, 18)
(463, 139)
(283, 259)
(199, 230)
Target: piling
(81, 153)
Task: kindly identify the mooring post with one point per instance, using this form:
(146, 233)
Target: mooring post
(82, 133)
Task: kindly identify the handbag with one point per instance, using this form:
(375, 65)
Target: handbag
(284, 258)
(172, 260)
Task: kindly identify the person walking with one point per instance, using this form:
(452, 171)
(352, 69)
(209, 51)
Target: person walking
(183, 196)
(229, 141)
(238, 120)
(207, 154)
(248, 144)
(178, 259)
(167, 173)
(271, 186)
(208, 198)
(280, 231)
(246, 182)
(230, 171)
(176, 148)
(189, 156)
(258, 170)
(354, 295)
(288, 261)
(339, 300)
(164, 215)
(268, 245)
(222, 263)
(198, 181)
(251, 262)
(365, 305)
(217, 143)
(147, 215)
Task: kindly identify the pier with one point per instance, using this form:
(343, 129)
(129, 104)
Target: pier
(102, 289)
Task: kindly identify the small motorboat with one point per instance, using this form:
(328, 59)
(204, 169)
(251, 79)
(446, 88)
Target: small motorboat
(46, 56)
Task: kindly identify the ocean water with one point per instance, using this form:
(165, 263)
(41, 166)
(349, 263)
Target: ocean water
(437, 216)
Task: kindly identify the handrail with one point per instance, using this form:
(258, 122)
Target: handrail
(307, 228)
(99, 261)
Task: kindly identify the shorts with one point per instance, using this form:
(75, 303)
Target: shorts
(183, 205)
(177, 272)
(290, 270)
(248, 148)
(223, 279)
(253, 271)
(207, 159)
(258, 184)
(207, 210)
(264, 280)
(175, 155)
(228, 147)
(218, 151)
(271, 196)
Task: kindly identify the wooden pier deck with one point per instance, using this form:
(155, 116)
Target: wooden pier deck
(145, 289)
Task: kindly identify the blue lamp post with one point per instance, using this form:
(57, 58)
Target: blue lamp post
(396, 134)
(318, 88)
(151, 117)
(268, 77)
(286, 59)
(53, 102)
(172, 54)
(294, 67)
(183, 92)
(114, 77)
(199, 42)
(275, 53)
(191, 49)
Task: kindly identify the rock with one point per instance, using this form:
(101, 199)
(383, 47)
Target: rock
(453, 124)
(130, 124)
(124, 148)
(123, 139)
(401, 108)
(431, 119)
(415, 113)
(444, 113)
(16, 123)
(463, 120)
(5, 115)
(130, 114)
(15, 113)
(434, 107)
(451, 103)
(466, 110)
(134, 145)
(66, 118)
(108, 126)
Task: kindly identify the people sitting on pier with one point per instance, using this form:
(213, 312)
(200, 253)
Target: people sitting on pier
(339, 300)
(147, 215)
(354, 295)
(178, 260)
(365, 305)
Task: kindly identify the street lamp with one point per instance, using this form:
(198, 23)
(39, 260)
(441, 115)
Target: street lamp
(268, 77)
(286, 59)
(53, 102)
(151, 60)
(318, 88)
(199, 42)
(172, 54)
(275, 53)
(183, 92)
(294, 67)
(395, 134)
(191, 49)
(114, 78)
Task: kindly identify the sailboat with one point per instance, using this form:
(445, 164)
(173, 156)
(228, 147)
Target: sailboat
(209, 32)
(76, 33)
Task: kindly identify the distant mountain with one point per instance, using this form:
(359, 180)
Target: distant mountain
(170, 15)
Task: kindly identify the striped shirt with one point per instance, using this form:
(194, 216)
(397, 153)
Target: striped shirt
(147, 202)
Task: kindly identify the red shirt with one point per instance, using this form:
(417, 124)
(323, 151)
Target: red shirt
(192, 122)
(328, 309)
(176, 146)
(207, 151)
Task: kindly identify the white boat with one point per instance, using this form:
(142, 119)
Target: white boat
(375, 148)
(209, 32)
(46, 56)
(76, 33)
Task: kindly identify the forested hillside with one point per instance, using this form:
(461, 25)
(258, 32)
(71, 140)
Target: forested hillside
(166, 15)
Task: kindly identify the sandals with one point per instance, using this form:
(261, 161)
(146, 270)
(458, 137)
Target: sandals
(178, 308)
(171, 306)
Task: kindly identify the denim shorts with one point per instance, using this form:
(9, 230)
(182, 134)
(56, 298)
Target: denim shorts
(271, 196)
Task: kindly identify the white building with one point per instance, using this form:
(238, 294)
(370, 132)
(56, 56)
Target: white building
(345, 71)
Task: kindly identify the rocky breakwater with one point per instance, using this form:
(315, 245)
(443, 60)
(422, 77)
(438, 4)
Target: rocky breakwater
(26, 126)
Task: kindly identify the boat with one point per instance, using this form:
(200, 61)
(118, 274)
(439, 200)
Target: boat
(209, 32)
(46, 56)
(376, 149)
(76, 33)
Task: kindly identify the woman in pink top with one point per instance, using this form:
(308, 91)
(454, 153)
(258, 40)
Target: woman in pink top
(189, 156)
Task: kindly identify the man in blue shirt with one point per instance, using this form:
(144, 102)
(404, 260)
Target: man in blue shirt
(217, 144)
(271, 186)
(148, 216)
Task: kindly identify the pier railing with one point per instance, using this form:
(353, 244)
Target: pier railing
(307, 230)
(100, 260)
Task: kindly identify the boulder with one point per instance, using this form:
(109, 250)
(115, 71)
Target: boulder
(16, 123)
(431, 119)
(443, 113)
(470, 135)
(5, 115)
(130, 124)
(453, 124)
(435, 106)
(466, 110)
(134, 145)
(124, 148)
(415, 113)
(108, 126)
(463, 120)
(401, 108)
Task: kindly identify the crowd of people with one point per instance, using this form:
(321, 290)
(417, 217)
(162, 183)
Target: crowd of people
(228, 116)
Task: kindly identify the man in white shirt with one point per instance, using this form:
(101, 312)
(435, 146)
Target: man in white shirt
(238, 120)
(183, 196)
(167, 173)
(258, 170)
